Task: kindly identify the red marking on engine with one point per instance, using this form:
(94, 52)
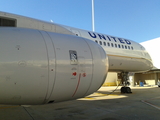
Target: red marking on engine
(74, 74)
(77, 85)
(84, 74)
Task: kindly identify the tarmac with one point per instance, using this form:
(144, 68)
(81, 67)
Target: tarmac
(142, 104)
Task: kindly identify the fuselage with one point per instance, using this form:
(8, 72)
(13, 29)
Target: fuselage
(124, 55)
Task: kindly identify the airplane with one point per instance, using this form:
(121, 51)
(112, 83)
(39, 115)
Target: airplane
(72, 62)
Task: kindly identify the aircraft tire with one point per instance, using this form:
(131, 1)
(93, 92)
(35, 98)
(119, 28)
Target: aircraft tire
(128, 90)
(123, 90)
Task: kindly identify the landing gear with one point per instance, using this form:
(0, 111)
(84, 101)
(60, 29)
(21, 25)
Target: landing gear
(125, 83)
(126, 90)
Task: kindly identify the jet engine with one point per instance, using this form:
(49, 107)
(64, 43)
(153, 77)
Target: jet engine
(39, 67)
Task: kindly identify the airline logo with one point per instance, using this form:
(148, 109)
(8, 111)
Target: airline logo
(73, 57)
(109, 38)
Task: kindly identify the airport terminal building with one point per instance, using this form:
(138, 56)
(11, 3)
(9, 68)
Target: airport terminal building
(153, 76)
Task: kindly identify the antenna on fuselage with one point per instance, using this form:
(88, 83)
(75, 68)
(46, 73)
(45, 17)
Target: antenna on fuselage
(51, 21)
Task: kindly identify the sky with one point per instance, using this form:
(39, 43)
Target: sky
(137, 20)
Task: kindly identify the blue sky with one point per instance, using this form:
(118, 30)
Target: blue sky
(138, 20)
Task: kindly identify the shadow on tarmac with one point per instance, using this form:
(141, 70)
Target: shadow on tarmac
(98, 106)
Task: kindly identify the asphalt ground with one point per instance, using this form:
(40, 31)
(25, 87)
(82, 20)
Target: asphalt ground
(142, 104)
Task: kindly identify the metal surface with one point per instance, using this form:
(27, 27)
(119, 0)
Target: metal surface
(37, 67)
(93, 25)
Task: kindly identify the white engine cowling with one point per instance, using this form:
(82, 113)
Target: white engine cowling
(39, 67)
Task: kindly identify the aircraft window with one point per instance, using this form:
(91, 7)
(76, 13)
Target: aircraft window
(116, 45)
(100, 42)
(108, 44)
(125, 47)
(112, 45)
(7, 22)
(119, 46)
(104, 43)
(122, 46)
(96, 41)
(131, 47)
(128, 47)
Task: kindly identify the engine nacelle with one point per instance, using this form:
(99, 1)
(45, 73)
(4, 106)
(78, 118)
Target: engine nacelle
(39, 67)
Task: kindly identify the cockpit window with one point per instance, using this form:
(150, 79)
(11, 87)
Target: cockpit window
(8, 22)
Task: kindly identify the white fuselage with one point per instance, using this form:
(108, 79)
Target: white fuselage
(123, 54)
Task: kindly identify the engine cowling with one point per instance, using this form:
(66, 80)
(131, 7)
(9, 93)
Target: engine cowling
(39, 67)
